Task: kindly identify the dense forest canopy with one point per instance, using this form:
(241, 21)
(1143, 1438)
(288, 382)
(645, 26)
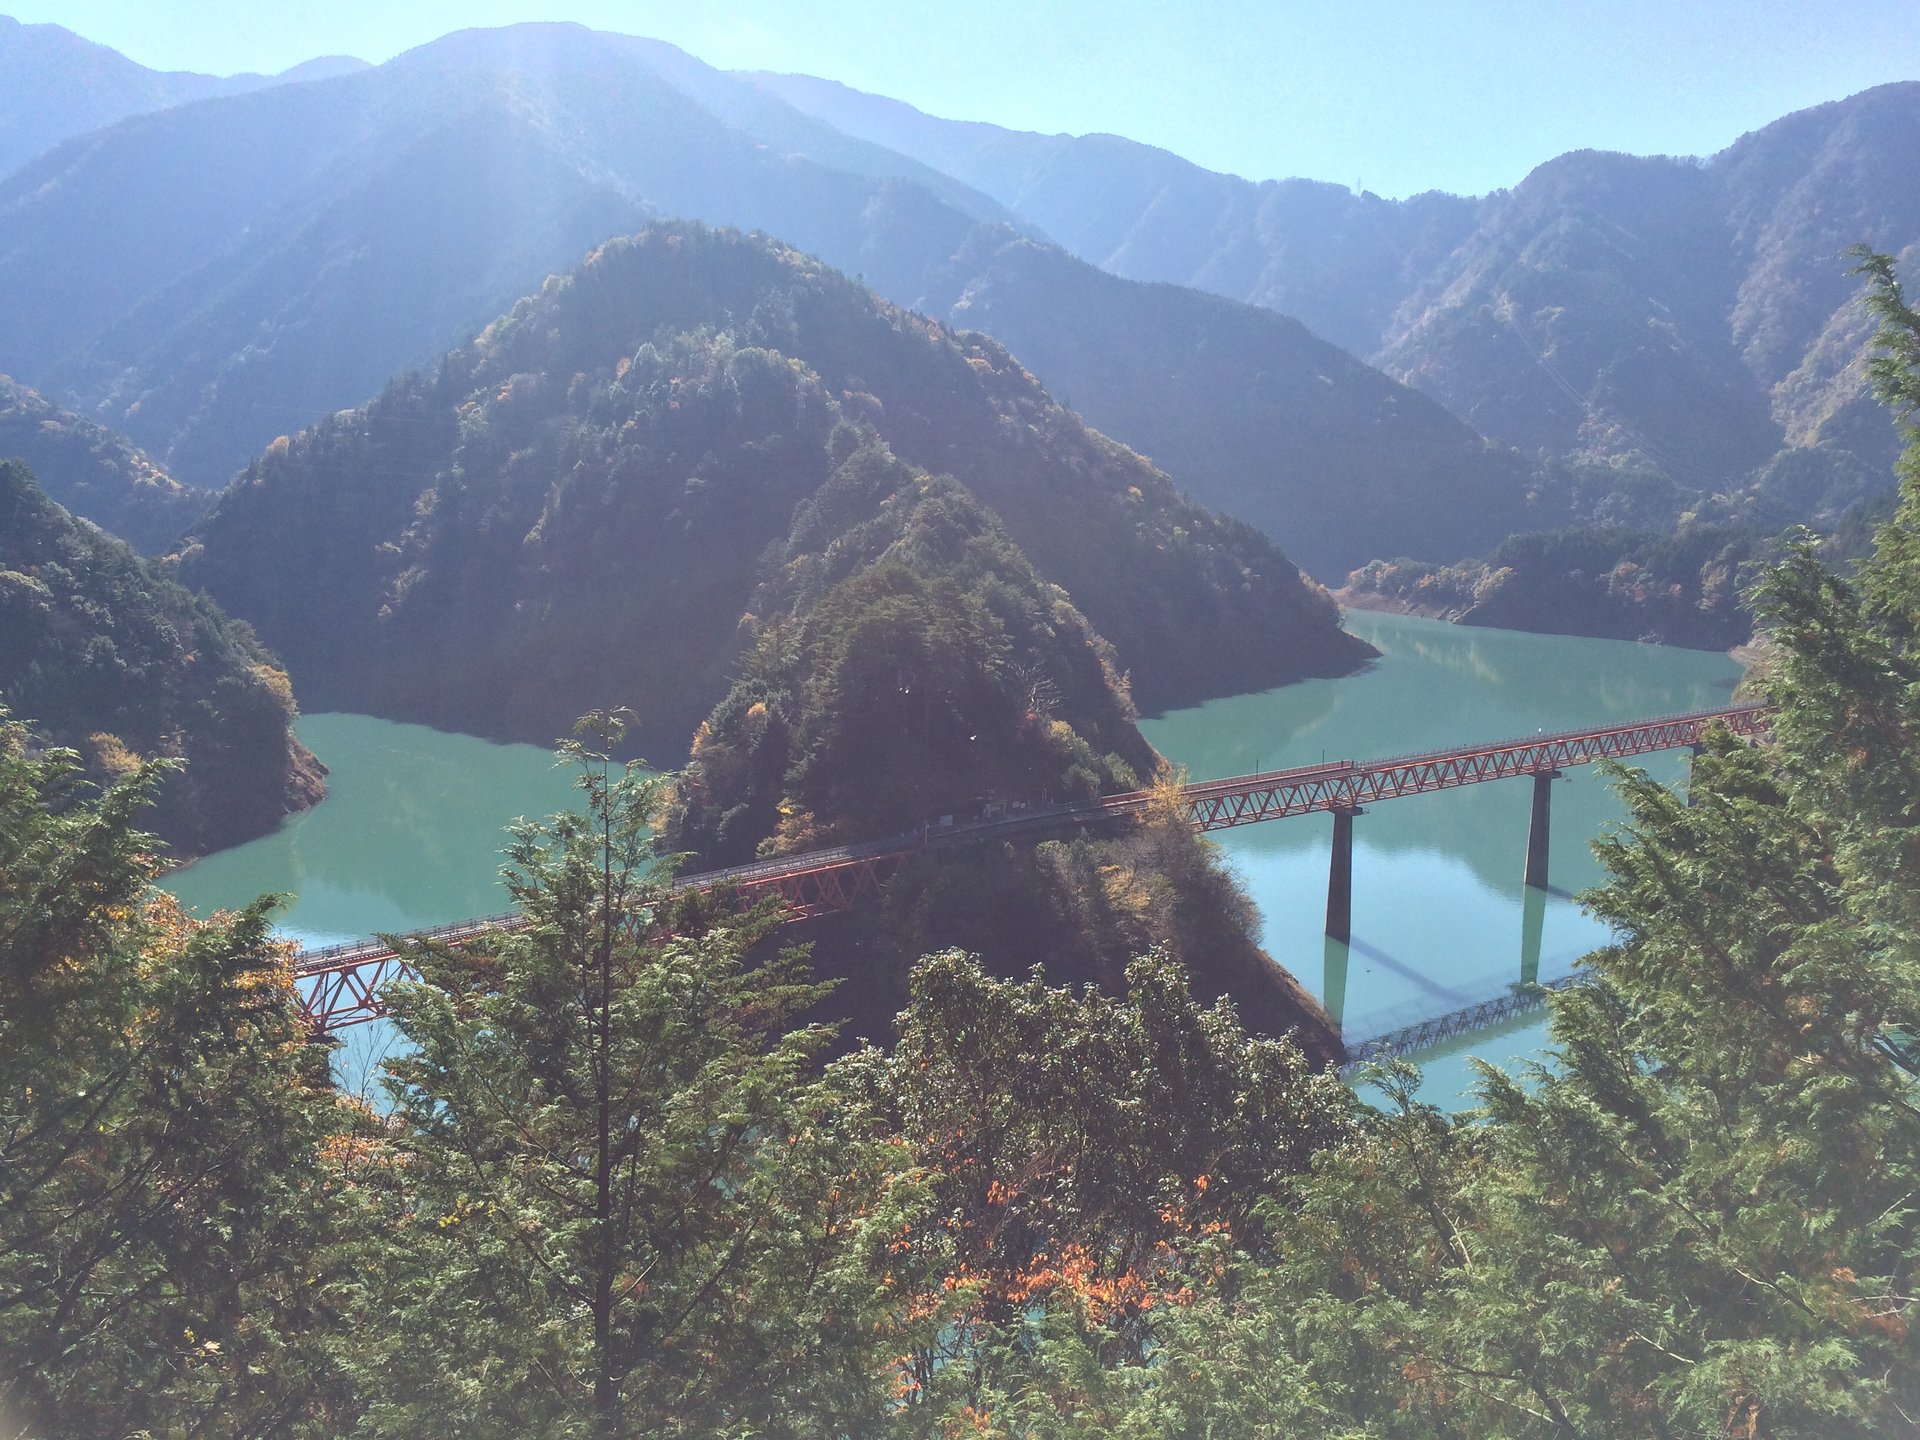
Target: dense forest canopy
(584, 505)
(104, 652)
(96, 474)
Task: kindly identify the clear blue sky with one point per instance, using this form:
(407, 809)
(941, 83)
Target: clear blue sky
(1402, 95)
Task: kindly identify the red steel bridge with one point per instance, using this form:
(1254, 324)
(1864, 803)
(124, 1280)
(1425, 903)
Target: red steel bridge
(340, 985)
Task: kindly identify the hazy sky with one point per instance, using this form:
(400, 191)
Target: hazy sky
(1400, 95)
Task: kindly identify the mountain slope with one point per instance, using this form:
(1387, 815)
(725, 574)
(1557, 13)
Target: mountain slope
(1587, 315)
(55, 85)
(309, 242)
(302, 243)
(95, 474)
(101, 652)
(1256, 416)
(1694, 316)
(1337, 261)
(578, 508)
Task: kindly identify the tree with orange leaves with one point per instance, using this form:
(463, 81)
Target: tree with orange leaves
(1078, 1151)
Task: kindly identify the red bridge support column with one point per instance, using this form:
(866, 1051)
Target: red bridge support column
(1340, 878)
(1537, 831)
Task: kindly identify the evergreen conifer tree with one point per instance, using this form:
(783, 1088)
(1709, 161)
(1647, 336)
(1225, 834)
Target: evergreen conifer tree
(622, 1200)
(166, 1224)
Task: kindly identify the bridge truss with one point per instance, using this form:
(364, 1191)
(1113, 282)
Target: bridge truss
(341, 985)
(1354, 784)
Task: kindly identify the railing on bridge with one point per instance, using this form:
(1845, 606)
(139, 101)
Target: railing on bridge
(1353, 784)
(340, 985)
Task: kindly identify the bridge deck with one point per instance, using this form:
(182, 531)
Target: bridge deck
(341, 983)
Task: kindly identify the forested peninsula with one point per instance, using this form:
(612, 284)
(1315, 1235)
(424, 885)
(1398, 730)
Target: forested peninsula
(586, 502)
(102, 652)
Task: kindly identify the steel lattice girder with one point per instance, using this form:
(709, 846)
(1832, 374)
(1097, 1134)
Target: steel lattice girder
(828, 889)
(340, 985)
(1220, 804)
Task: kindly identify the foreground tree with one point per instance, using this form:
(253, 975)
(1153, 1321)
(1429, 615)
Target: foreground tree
(164, 1219)
(622, 1201)
(1721, 1178)
(1078, 1154)
(1704, 1218)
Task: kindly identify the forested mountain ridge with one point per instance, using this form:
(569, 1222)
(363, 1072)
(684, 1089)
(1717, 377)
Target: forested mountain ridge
(1674, 319)
(1247, 409)
(578, 508)
(1608, 581)
(96, 474)
(1337, 261)
(55, 85)
(314, 240)
(102, 652)
(1696, 314)
(1687, 314)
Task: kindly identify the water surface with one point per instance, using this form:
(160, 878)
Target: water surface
(1439, 915)
(411, 832)
(409, 836)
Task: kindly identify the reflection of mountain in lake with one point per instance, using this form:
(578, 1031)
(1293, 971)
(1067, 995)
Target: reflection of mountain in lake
(409, 837)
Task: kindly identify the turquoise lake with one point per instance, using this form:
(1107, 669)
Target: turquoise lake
(412, 829)
(1439, 907)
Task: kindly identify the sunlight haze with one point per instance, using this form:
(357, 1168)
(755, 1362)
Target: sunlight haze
(1396, 97)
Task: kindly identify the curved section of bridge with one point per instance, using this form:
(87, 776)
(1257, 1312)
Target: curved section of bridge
(340, 985)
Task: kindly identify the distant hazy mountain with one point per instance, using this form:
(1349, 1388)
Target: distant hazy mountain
(95, 473)
(1692, 315)
(1697, 313)
(298, 245)
(55, 85)
(1249, 410)
(600, 500)
(1339, 262)
(302, 244)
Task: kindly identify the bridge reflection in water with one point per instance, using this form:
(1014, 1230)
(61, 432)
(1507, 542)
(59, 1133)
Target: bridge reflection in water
(341, 985)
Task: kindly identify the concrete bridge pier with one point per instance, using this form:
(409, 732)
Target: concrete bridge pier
(1340, 877)
(1694, 752)
(1537, 832)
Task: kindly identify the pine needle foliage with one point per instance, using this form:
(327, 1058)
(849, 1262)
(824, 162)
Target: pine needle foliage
(164, 1217)
(622, 1202)
(1701, 1218)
